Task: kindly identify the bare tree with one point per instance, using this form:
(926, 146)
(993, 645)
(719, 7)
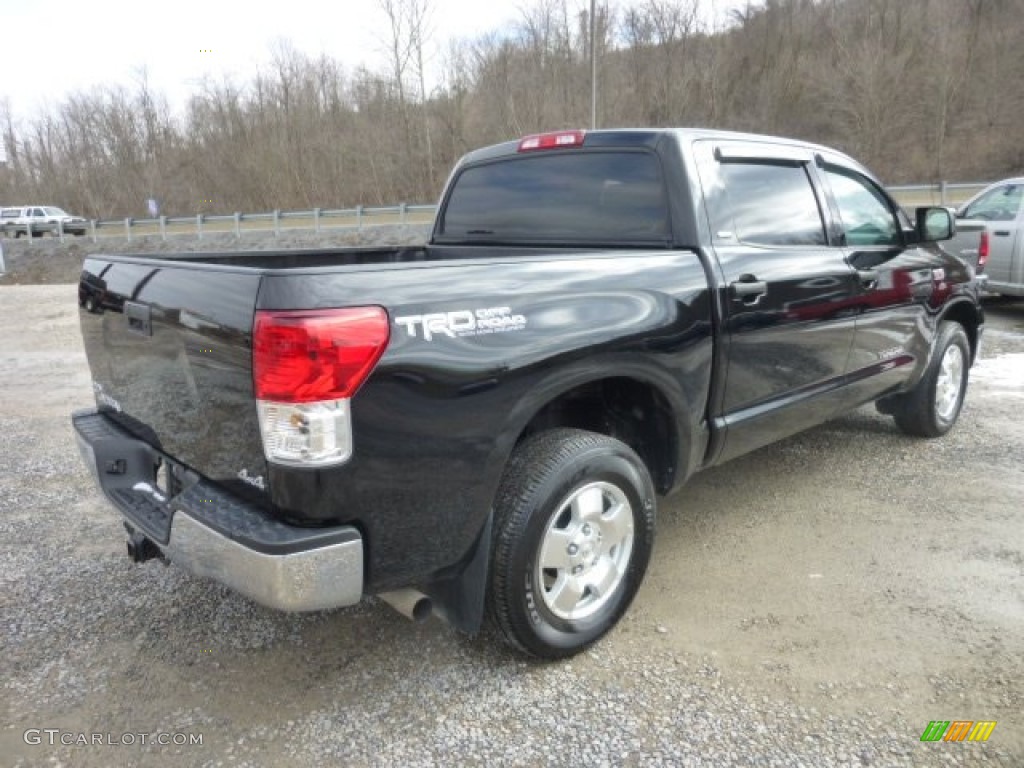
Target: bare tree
(916, 88)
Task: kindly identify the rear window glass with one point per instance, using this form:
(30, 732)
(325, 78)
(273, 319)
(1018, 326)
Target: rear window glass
(572, 197)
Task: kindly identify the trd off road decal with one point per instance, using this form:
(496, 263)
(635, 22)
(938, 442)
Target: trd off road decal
(462, 322)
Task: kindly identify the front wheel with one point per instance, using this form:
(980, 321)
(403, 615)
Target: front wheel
(574, 522)
(933, 406)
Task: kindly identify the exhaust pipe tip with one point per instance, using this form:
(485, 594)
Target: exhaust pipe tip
(411, 603)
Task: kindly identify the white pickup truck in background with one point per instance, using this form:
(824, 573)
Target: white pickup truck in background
(38, 220)
(990, 236)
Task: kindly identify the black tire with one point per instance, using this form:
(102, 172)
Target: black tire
(90, 304)
(933, 406)
(592, 491)
(17, 233)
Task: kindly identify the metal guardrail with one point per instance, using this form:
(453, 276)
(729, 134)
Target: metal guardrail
(317, 219)
(238, 224)
(942, 193)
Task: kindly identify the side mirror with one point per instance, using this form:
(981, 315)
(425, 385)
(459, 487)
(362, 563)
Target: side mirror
(934, 224)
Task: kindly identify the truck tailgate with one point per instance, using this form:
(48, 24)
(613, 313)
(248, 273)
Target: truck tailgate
(966, 241)
(170, 348)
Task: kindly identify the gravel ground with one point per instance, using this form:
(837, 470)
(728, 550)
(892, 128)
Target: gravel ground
(46, 260)
(816, 603)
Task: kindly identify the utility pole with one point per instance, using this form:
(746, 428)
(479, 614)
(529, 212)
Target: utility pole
(593, 68)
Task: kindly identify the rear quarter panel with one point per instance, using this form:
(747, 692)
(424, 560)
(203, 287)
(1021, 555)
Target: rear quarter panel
(436, 421)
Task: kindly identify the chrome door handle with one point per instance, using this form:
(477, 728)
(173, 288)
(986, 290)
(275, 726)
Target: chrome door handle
(868, 278)
(744, 289)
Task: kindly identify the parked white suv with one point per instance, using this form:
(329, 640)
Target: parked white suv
(38, 220)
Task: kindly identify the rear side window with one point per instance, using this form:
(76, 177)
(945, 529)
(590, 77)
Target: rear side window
(576, 197)
(10, 213)
(768, 203)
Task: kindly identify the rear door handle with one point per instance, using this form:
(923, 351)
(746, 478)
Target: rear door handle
(868, 278)
(749, 287)
(1002, 233)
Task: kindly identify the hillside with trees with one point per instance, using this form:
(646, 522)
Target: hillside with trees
(920, 90)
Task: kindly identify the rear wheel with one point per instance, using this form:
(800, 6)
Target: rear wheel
(932, 408)
(574, 530)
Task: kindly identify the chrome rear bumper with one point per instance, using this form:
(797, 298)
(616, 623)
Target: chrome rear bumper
(326, 577)
(216, 535)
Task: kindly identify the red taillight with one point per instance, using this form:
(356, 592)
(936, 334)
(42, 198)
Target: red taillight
(983, 250)
(556, 140)
(309, 356)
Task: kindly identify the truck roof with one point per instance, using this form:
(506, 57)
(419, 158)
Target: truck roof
(625, 137)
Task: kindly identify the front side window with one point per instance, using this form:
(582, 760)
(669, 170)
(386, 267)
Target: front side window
(867, 217)
(38, 212)
(767, 203)
(999, 204)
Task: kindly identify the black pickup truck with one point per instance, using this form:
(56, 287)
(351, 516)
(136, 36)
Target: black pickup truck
(482, 425)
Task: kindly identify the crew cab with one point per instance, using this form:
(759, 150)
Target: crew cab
(483, 425)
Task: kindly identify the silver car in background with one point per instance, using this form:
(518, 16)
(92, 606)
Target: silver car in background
(990, 235)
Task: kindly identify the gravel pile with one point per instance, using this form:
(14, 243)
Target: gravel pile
(48, 261)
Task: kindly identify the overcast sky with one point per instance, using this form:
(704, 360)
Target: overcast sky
(52, 47)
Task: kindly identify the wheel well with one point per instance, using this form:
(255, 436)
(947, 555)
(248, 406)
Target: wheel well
(628, 410)
(967, 316)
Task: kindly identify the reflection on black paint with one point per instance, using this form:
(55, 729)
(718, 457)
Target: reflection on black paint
(93, 293)
(768, 204)
(190, 382)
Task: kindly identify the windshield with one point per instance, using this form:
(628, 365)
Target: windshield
(573, 197)
(54, 211)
